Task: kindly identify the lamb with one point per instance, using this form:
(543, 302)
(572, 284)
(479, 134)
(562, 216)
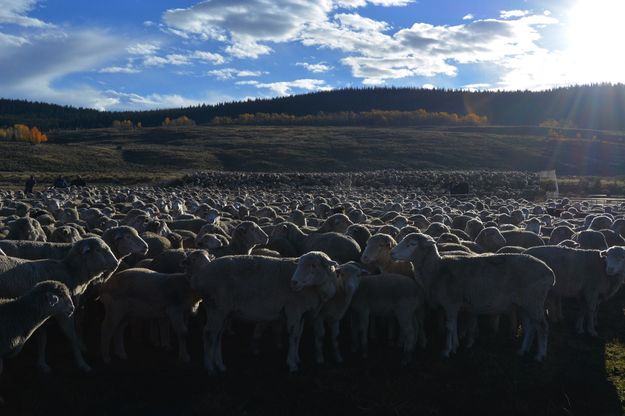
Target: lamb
(359, 233)
(87, 260)
(589, 275)
(145, 294)
(492, 284)
(377, 253)
(22, 316)
(339, 247)
(245, 237)
(389, 295)
(337, 223)
(261, 289)
(331, 313)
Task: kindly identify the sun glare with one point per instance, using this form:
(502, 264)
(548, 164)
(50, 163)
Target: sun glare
(595, 33)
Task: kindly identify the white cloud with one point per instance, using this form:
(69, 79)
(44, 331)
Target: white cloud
(428, 86)
(352, 4)
(112, 99)
(145, 48)
(11, 40)
(229, 73)
(468, 17)
(508, 14)
(315, 68)
(128, 69)
(287, 87)
(245, 25)
(14, 12)
(211, 57)
(476, 86)
(356, 22)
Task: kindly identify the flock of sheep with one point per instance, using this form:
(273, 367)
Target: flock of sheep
(336, 258)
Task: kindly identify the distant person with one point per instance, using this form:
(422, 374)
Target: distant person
(30, 184)
(79, 181)
(60, 182)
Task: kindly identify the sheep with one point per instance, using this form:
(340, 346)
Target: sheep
(34, 250)
(511, 250)
(334, 309)
(490, 239)
(210, 241)
(389, 295)
(525, 239)
(492, 284)
(339, 247)
(259, 288)
(590, 275)
(145, 294)
(359, 233)
(86, 261)
(590, 239)
(20, 317)
(337, 223)
(560, 233)
(245, 237)
(377, 253)
(613, 238)
(26, 229)
(65, 234)
(533, 225)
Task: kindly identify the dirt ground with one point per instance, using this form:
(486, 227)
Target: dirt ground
(581, 376)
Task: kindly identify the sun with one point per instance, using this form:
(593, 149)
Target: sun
(595, 32)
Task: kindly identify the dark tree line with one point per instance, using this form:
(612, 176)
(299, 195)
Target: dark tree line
(599, 106)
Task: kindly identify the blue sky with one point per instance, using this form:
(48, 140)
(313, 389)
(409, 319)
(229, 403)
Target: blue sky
(134, 54)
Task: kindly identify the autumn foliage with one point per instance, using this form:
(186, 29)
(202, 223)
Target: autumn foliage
(126, 125)
(180, 121)
(373, 117)
(21, 132)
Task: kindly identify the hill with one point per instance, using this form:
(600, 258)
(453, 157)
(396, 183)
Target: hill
(591, 107)
(143, 155)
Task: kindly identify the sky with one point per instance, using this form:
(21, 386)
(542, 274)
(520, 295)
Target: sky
(144, 54)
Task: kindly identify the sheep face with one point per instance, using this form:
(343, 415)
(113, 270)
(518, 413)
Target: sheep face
(195, 260)
(127, 241)
(26, 229)
(95, 255)
(208, 242)
(338, 223)
(251, 234)
(615, 261)
(55, 298)
(313, 269)
(413, 247)
(283, 231)
(378, 247)
(349, 275)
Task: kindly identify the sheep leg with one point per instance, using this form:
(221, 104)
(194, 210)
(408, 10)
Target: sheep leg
(69, 330)
(219, 359)
(118, 341)
(353, 325)
(529, 330)
(294, 324)
(591, 311)
(542, 328)
(472, 329)
(451, 328)
(214, 324)
(363, 327)
(407, 336)
(259, 329)
(581, 315)
(319, 331)
(419, 323)
(42, 339)
(334, 336)
(109, 326)
(176, 319)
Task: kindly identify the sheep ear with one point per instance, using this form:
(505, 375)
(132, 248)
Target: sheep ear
(52, 299)
(603, 253)
(429, 243)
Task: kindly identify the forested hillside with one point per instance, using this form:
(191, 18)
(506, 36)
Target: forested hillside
(599, 107)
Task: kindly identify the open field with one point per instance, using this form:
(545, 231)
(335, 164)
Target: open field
(108, 155)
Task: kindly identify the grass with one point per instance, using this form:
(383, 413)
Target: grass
(109, 155)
